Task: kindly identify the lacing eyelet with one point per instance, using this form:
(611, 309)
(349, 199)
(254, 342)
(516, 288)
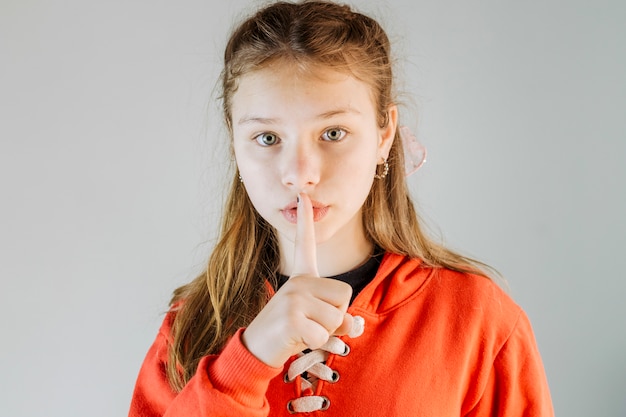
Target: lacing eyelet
(334, 378)
(325, 404)
(290, 408)
(346, 351)
(286, 379)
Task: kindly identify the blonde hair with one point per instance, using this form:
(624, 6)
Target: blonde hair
(233, 288)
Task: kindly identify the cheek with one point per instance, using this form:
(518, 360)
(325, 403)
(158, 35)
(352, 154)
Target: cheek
(358, 166)
(259, 177)
(249, 164)
(259, 196)
(353, 179)
(260, 181)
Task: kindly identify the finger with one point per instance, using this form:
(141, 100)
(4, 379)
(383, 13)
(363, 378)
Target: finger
(329, 290)
(314, 335)
(346, 326)
(305, 254)
(326, 315)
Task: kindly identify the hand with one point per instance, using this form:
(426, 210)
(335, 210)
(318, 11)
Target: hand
(307, 309)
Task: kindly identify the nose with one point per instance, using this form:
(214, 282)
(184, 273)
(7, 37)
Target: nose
(301, 165)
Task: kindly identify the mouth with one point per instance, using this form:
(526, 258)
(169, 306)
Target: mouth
(290, 211)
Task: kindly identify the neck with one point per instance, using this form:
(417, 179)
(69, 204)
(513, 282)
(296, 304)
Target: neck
(341, 253)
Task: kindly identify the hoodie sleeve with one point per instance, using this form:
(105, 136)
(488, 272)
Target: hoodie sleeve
(517, 385)
(231, 383)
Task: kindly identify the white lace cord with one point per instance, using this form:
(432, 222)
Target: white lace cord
(313, 364)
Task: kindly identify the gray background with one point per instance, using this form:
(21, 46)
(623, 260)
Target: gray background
(111, 155)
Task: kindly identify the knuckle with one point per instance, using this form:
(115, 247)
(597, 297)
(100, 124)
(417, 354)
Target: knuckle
(336, 320)
(348, 292)
(293, 287)
(344, 291)
(297, 282)
(316, 339)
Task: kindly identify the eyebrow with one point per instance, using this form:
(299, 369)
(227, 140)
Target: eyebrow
(254, 119)
(338, 112)
(249, 119)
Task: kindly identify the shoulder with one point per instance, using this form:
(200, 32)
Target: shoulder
(463, 301)
(165, 331)
(402, 280)
(477, 302)
(471, 292)
(478, 317)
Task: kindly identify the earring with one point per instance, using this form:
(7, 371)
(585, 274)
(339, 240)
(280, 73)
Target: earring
(385, 171)
(240, 179)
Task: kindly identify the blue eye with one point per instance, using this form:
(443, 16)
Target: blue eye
(333, 135)
(267, 139)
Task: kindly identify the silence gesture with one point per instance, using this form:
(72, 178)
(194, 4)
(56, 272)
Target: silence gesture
(307, 309)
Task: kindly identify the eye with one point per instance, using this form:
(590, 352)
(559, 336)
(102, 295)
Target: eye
(334, 134)
(267, 139)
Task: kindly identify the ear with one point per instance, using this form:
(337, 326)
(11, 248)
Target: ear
(388, 133)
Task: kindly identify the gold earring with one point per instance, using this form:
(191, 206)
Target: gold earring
(385, 170)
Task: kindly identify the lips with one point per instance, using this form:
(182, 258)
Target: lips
(290, 211)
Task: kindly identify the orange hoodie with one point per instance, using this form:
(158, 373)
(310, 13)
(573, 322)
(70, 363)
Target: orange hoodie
(435, 343)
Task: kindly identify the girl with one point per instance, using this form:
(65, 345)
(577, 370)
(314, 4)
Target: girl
(323, 294)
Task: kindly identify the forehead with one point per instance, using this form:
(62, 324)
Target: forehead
(286, 86)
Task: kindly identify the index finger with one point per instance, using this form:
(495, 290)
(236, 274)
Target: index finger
(305, 253)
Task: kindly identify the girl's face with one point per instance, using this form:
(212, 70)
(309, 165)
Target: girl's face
(314, 132)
